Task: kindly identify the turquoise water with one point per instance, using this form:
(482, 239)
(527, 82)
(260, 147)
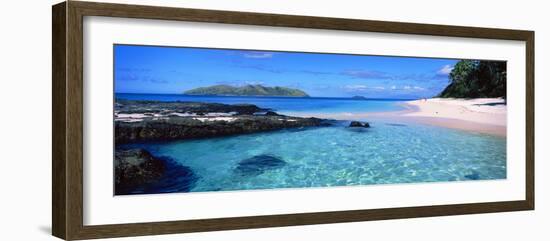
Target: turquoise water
(284, 104)
(387, 153)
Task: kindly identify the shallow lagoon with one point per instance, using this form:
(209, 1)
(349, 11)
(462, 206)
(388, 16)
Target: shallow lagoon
(387, 153)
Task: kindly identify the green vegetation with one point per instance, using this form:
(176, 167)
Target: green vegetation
(476, 79)
(247, 90)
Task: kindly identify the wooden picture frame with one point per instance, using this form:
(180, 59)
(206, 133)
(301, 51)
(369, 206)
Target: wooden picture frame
(67, 150)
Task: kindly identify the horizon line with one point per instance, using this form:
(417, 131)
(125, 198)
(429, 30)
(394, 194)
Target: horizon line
(334, 97)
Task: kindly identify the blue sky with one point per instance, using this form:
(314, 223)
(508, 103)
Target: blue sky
(149, 69)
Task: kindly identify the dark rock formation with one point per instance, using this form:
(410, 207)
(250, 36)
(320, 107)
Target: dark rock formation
(160, 107)
(257, 165)
(187, 120)
(179, 128)
(359, 124)
(135, 168)
(137, 171)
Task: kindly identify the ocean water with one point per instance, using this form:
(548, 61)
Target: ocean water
(387, 153)
(390, 152)
(284, 104)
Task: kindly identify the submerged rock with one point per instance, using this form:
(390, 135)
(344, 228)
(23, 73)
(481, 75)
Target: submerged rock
(396, 124)
(473, 176)
(138, 171)
(359, 124)
(176, 178)
(257, 165)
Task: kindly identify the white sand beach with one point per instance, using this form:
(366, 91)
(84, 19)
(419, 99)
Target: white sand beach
(483, 110)
(483, 115)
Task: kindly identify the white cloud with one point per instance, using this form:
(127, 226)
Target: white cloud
(253, 82)
(445, 70)
(367, 74)
(356, 87)
(407, 88)
(363, 88)
(257, 55)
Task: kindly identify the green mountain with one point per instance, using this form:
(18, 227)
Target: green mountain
(476, 79)
(247, 90)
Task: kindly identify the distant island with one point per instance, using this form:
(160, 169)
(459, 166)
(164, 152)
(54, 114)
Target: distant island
(359, 97)
(247, 90)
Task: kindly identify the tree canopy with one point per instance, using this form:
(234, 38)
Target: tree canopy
(476, 79)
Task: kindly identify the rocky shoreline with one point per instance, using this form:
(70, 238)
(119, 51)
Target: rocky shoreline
(134, 168)
(141, 121)
(137, 171)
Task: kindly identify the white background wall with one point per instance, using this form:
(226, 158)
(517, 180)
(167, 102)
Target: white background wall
(25, 120)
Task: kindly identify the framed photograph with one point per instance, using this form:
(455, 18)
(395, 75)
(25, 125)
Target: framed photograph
(171, 120)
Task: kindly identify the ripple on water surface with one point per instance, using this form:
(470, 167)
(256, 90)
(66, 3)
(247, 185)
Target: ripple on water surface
(387, 153)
